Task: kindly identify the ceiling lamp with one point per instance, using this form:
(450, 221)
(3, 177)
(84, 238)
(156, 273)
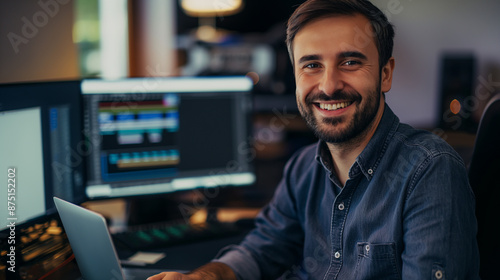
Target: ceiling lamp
(211, 8)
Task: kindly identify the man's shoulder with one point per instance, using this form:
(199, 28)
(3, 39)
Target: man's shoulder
(423, 141)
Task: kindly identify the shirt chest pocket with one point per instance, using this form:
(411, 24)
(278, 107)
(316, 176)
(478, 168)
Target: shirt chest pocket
(376, 261)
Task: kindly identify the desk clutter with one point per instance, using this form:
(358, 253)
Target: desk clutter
(43, 250)
(41, 247)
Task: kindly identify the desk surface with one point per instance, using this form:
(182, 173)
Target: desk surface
(188, 256)
(184, 257)
(61, 263)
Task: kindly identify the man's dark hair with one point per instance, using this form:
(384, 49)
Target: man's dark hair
(318, 9)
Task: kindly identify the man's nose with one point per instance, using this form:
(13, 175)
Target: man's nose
(331, 81)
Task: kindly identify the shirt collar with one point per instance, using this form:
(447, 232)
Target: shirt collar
(368, 160)
(323, 156)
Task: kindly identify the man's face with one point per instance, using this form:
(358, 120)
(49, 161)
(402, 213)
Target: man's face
(336, 68)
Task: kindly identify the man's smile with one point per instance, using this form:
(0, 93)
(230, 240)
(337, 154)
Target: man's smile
(333, 106)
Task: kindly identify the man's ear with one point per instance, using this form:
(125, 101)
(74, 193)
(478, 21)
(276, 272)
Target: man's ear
(386, 75)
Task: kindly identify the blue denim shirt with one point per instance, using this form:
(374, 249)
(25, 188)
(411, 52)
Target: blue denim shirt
(406, 212)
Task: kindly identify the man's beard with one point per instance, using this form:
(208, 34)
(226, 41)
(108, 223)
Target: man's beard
(361, 121)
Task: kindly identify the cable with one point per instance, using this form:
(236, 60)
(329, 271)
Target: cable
(72, 257)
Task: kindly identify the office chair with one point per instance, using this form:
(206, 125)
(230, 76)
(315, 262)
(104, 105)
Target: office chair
(484, 177)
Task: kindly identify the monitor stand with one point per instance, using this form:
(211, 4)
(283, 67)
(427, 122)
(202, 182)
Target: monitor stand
(148, 209)
(182, 205)
(163, 208)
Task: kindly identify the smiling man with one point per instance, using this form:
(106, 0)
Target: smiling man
(374, 198)
(339, 84)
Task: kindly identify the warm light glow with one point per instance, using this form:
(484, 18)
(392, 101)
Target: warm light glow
(254, 76)
(206, 33)
(210, 8)
(455, 106)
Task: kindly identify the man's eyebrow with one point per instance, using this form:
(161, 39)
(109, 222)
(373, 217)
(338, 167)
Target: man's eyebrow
(342, 55)
(352, 54)
(309, 58)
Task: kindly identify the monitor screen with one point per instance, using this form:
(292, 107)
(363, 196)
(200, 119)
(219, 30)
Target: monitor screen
(40, 142)
(160, 135)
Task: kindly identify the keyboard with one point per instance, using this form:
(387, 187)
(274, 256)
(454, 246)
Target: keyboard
(160, 235)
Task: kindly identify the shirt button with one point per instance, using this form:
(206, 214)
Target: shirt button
(341, 206)
(367, 248)
(337, 254)
(370, 171)
(438, 274)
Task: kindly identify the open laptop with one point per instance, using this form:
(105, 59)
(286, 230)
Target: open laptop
(92, 245)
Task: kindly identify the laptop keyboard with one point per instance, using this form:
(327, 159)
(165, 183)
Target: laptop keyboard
(160, 235)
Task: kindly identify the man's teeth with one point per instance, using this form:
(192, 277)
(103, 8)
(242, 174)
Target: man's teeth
(331, 107)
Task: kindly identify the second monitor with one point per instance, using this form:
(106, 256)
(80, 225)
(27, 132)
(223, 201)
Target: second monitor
(160, 135)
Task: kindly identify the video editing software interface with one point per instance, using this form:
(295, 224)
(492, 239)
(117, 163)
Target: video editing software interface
(160, 135)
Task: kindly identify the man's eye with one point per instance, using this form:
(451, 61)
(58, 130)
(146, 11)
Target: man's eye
(311, 65)
(352, 63)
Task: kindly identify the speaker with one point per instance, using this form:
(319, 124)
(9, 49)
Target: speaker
(458, 102)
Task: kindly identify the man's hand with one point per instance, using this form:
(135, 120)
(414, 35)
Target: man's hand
(210, 271)
(171, 276)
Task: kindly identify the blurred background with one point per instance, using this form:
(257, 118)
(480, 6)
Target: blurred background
(447, 54)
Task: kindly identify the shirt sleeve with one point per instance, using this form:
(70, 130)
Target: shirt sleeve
(439, 222)
(240, 261)
(275, 244)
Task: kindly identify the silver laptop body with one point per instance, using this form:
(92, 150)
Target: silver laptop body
(92, 245)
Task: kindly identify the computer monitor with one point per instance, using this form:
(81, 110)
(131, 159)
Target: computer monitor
(162, 135)
(40, 147)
